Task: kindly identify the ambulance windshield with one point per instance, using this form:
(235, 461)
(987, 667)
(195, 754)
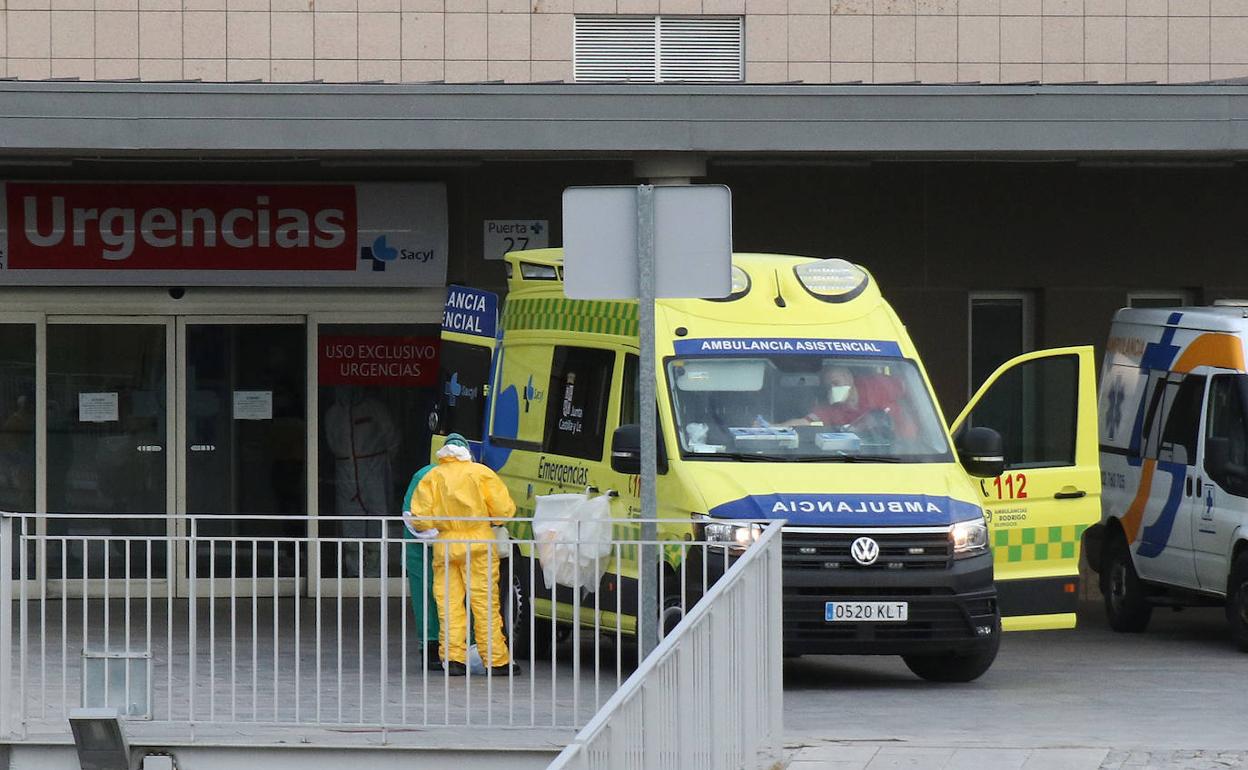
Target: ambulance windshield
(805, 408)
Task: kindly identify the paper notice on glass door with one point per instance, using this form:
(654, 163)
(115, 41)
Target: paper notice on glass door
(97, 407)
(253, 405)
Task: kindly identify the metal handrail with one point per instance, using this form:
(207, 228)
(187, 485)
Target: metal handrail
(67, 593)
(663, 745)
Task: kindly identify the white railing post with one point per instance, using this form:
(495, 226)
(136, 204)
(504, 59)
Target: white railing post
(774, 654)
(7, 698)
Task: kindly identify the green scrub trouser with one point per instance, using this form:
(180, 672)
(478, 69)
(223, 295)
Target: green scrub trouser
(420, 579)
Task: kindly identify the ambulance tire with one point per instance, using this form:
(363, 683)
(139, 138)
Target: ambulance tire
(525, 626)
(1126, 604)
(1237, 601)
(956, 667)
(670, 616)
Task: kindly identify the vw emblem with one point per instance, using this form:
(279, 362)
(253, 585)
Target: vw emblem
(865, 551)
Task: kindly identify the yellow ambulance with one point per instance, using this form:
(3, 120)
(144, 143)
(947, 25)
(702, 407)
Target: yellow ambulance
(800, 397)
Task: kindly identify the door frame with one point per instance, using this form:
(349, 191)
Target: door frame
(203, 586)
(112, 586)
(1027, 301)
(1225, 498)
(36, 582)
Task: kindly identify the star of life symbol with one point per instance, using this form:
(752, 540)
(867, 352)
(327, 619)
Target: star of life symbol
(1113, 412)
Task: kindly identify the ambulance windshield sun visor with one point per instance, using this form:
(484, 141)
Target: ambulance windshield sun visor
(804, 408)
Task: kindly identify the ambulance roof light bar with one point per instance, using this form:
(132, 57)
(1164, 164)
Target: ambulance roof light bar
(530, 271)
(740, 286)
(832, 280)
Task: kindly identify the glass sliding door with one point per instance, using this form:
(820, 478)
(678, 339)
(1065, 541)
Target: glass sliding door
(244, 447)
(109, 433)
(377, 384)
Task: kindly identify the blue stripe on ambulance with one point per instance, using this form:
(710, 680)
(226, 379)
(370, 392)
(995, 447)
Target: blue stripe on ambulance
(788, 346)
(824, 510)
(1157, 355)
(1154, 537)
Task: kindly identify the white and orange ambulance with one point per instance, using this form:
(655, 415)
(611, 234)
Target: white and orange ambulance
(1174, 465)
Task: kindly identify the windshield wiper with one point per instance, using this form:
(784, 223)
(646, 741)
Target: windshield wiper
(759, 457)
(857, 458)
(753, 457)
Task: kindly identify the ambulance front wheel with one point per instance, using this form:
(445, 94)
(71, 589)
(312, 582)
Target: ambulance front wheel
(1237, 601)
(956, 667)
(1126, 604)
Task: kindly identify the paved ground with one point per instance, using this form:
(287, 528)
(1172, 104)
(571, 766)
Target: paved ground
(1173, 697)
(335, 667)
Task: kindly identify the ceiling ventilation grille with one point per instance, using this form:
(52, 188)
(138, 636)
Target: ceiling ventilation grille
(659, 49)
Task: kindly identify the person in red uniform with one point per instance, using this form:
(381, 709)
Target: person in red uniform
(850, 398)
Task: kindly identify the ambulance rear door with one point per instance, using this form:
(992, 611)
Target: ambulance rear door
(470, 328)
(1044, 406)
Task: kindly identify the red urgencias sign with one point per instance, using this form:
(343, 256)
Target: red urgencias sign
(83, 226)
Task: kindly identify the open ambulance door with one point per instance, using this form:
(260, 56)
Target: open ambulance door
(466, 365)
(1044, 406)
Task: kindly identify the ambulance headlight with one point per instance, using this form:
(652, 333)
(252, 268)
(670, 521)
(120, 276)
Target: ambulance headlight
(728, 533)
(969, 538)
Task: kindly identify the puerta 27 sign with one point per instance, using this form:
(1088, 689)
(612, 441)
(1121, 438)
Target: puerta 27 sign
(187, 234)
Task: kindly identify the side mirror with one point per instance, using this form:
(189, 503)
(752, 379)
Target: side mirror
(982, 452)
(626, 451)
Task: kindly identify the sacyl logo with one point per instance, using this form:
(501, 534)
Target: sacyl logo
(532, 394)
(380, 253)
(865, 551)
(455, 391)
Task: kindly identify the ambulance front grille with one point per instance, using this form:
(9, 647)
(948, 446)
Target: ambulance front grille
(806, 550)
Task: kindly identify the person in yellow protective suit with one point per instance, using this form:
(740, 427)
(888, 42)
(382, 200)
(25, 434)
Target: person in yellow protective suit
(465, 494)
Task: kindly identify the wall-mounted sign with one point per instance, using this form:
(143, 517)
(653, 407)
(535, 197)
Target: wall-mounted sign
(470, 311)
(139, 234)
(504, 235)
(378, 361)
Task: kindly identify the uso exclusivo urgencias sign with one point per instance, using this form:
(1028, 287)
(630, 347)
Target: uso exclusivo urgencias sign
(186, 234)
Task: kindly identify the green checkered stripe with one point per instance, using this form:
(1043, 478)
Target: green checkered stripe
(593, 316)
(1037, 543)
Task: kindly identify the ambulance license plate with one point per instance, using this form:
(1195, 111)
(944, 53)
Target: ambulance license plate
(874, 612)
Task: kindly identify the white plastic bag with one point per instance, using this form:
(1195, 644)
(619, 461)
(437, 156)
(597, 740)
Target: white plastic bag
(475, 664)
(503, 539)
(573, 537)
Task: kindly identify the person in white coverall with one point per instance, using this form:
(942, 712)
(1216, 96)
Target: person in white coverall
(364, 442)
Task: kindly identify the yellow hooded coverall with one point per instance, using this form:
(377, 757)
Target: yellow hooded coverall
(465, 492)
